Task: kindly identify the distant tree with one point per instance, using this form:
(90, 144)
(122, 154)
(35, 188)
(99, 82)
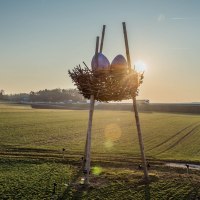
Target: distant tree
(2, 94)
(55, 95)
(18, 97)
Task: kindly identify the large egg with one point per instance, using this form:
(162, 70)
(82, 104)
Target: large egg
(102, 62)
(119, 63)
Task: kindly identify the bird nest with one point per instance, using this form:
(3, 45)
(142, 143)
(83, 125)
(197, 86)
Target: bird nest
(106, 85)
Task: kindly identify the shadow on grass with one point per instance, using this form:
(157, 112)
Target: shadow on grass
(66, 194)
(195, 192)
(147, 192)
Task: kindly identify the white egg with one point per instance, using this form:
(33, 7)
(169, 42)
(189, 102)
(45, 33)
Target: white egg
(102, 62)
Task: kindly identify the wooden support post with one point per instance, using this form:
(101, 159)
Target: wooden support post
(144, 163)
(97, 46)
(89, 131)
(88, 148)
(137, 119)
(126, 46)
(102, 38)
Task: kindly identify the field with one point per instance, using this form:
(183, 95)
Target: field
(32, 160)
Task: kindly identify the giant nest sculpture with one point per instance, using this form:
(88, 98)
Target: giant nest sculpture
(108, 82)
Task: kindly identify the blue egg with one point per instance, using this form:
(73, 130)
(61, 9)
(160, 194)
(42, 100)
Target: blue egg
(102, 62)
(119, 63)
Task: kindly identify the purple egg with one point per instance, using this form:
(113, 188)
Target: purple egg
(102, 62)
(119, 62)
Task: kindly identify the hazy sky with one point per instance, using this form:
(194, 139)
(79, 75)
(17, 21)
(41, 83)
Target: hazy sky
(41, 39)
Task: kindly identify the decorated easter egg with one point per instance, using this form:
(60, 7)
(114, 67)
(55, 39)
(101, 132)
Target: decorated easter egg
(119, 63)
(101, 63)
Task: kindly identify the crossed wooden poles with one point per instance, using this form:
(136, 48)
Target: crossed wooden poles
(87, 156)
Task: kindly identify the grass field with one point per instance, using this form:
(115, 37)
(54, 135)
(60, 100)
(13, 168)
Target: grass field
(31, 143)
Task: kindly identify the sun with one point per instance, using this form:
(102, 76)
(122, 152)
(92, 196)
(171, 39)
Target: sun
(140, 66)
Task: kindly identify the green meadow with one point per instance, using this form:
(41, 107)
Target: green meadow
(32, 156)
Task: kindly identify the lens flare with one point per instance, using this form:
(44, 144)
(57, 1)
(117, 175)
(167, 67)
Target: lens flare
(108, 144)
(96, 170)
(112, 132)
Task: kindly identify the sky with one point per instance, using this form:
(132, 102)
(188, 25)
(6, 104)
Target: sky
(40, 40)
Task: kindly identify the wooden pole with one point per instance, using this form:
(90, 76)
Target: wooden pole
(146, 176)
(126, 45)
(88, 148)
(102, 38)
(97, 46)
(89, 131)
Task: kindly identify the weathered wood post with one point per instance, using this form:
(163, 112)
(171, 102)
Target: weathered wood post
(92, 102)
(144, 163)
(88, 147)
(102, 38)
(89, 131)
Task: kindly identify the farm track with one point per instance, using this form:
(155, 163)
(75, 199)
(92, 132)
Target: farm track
(173, 136)
(181, 139)
(73, 158)
(37, 156)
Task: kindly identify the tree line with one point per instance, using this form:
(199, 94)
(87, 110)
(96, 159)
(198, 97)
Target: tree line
(54, 95)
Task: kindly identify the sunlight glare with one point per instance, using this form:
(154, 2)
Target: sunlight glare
(140, 66)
